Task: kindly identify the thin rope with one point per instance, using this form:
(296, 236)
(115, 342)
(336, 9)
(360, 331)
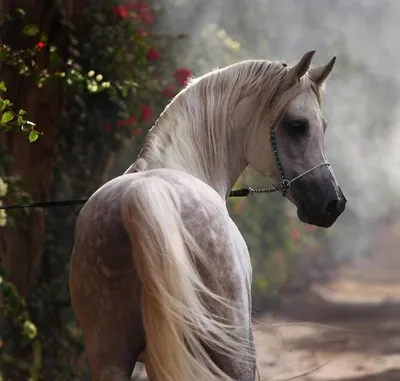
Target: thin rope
(44, 204)
(310, 170)
(244, 192)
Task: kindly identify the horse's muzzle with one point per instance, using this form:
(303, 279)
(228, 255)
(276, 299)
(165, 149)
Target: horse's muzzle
(322, 210)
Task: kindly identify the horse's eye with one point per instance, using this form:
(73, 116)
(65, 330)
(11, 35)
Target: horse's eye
(298, 127)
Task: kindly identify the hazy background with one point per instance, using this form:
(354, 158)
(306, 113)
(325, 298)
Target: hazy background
(361, 103)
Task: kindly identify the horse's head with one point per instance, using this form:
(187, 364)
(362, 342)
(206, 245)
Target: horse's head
(292, 148)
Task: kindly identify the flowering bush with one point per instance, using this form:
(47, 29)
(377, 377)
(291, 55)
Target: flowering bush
(133, 52)
(128, 48)
(117, 78)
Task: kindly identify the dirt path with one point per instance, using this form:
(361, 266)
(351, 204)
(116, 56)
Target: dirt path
(358, 342)
(347, 330)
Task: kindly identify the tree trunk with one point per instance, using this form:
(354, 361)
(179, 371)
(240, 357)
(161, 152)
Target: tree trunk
(22, 246)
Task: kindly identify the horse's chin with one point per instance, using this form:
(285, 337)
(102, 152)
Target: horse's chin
(322, 223)
(302, 215)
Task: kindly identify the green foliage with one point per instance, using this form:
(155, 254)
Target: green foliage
(30, 30)
(10, 118)
(69, 73)
(21, 333)
(33, 136)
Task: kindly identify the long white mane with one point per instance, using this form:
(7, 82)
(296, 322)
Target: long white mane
(194, 132)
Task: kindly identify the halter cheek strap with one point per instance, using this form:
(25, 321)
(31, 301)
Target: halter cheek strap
(285, 184)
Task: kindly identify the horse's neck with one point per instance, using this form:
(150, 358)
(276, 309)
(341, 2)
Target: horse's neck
(196, 151)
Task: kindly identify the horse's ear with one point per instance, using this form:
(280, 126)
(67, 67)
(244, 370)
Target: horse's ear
(319, 74)
(298, 70)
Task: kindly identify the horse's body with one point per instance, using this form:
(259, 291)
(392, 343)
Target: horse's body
(159, 271)
(105, 282)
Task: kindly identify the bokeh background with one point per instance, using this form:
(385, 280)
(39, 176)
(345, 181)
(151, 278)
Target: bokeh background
(92, 76)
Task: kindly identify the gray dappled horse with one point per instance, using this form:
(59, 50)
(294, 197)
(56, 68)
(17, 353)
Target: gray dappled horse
(159, 272)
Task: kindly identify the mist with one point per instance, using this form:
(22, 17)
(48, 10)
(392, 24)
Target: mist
(362, 97)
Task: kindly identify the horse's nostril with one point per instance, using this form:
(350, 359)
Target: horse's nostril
(336, 206)
(333, 207)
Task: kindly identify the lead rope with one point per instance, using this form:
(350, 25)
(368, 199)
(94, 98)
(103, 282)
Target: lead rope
(284, 186)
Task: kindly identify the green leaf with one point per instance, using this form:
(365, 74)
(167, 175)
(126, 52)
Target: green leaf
(30, 30)
(20, 121)
(54, 57)
(44, 37)
(21, 112)
(4, 103)
(3, 86)
(33, 136)
(7, 116)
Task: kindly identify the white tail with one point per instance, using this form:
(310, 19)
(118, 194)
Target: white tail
(176, 321)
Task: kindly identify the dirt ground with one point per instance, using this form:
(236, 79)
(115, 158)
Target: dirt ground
(347, 329)
(317, 339)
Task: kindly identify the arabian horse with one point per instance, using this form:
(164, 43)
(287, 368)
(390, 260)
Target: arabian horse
(159, 272)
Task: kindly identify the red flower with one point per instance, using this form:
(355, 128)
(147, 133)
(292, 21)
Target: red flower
(169, 91)
(131, 120)
(132, 5)
(142, 33)
(280, 257)
(136, 131)
(295, 235)
(239, 207)
(309, 228)
(108, 129)
(121, 123)
(182, 75)
(145, 113)
(143, 11)
(145, 15)
(153, 55)
(120, 11)
(39, 45)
